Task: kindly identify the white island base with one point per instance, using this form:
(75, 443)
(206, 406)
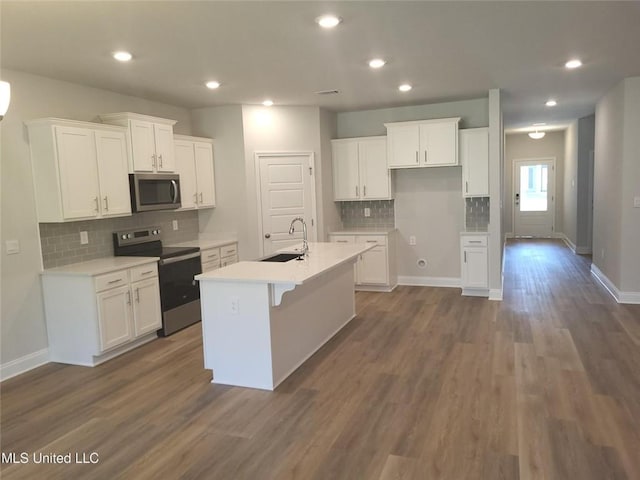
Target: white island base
(256, 333)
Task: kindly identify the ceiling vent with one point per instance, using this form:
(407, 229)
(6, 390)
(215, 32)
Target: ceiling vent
(327, 92)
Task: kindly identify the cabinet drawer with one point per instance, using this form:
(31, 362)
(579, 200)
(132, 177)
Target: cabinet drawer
(143, 272)
(377, 239)
(342, 238)
(474, 241)
(111, 280)
(228, 260)
(210, 255)
(208, 266)
(228, 250)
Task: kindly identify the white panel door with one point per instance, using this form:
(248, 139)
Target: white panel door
(534, 184)
(186, 169)
(147, 316)
(403, 146)
(165, 160)
(114, 317)
(286, 193)
(374, 174)
(78, 172)
(143, 146)
(438, 144)
(345, 170)
(113, 172)
(205, 175)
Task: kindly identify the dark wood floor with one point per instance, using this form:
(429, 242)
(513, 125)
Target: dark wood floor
(423, 384)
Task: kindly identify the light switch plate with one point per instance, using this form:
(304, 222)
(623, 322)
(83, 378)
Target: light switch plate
(636, 202)
(12, 247)
(367, 212)
(175, 224)
(412, 240)
(84, 238)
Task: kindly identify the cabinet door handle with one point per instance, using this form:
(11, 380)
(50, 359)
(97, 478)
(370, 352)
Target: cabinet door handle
(195, 198)
(153, 160)
(106, 203)
(160, 157)
(356, 190)
(201, 198)
(465, 257)
(129, 298)
(425, 155)
(138, 295)
(466, 187)
(97, 204)
(417, 161)
(364, 191)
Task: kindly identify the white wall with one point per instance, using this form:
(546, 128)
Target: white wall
(520, 146)
(586, 135)
(329, 215)
(23, 329)
(570, 182)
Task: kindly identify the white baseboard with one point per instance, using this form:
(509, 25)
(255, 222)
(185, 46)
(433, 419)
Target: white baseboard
(620, 297)
(429, 281)
(475, 292)
(583, 250)
(23, 364)
(496, 293)
(566, 240)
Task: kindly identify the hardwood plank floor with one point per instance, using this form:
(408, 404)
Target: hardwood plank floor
(423, 383)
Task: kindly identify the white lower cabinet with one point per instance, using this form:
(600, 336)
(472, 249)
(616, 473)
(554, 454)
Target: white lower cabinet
(474, 277)
(375, 269)
(94, 317)
(218, 257)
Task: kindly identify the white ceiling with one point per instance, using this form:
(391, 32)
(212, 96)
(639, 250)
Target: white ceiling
(447, 50)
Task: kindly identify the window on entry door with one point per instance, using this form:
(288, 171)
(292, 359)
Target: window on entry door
(534, 181)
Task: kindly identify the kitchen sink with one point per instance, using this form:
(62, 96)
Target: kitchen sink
(281, 257)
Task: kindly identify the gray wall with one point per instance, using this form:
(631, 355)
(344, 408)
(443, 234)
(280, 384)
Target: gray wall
(570, 182)
(329, 217)
(23, 329)
(586, 136)
(520, 146)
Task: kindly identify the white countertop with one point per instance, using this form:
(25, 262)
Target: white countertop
(364, 230)
(99, 266)
(321, 258)
(204, 243)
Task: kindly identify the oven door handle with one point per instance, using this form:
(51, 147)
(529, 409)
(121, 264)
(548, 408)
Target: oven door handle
(175, 191)
(170, 260)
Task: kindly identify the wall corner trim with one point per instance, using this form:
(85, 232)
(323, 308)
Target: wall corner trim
(620, 297)
(23, 364)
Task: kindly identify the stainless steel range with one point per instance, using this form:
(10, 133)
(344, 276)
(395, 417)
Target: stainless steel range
(179, 292)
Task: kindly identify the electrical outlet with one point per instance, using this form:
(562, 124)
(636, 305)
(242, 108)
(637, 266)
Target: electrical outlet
(234, 306)
(412, 240)
(367, 212)
(84, 238)
(636, 202)
(175, 224)
(12, 247)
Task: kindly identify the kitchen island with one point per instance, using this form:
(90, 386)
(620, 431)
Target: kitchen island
(261, 320)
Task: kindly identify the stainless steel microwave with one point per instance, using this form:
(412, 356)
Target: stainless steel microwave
(154, 191)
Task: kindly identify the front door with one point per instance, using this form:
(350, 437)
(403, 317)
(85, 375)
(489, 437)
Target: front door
(533, 197)
(286, 192)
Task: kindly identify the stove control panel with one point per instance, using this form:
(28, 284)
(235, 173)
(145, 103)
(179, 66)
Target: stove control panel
(138, 235)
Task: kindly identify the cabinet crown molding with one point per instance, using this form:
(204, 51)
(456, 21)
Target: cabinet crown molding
(64, 122)
(189, 138)
(422, 122)
(360, 139)
(120, 116)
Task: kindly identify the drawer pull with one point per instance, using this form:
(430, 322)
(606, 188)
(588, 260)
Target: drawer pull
(341, 241)
(475, 241)
(114, 281)
(147, 272)
(212, 256)
(372, 241)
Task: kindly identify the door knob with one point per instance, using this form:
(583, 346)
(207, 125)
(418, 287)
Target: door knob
(267, 235)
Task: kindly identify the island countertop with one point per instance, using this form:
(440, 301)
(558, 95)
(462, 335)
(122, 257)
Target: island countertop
(321, 258)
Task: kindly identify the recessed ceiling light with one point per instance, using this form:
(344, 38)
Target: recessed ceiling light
(122, 56)
(537, 135)
(575, 63)
(377, 63)
(551, 103)
(267, 103)
(213, 84)
(405, 87)
(328, 21)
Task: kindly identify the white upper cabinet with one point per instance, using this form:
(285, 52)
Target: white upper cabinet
(152, 148)
(424, 143)
(360, 169)
(79, 170)
(194, 164)
(474, 157)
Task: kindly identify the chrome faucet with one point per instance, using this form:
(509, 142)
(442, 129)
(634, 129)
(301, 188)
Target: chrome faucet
(305, 244)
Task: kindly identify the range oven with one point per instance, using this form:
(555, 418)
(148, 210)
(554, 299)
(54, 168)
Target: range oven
(179, 291)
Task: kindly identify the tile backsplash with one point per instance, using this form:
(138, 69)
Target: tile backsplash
(61, 241)
(477, 213)
(382, 214)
